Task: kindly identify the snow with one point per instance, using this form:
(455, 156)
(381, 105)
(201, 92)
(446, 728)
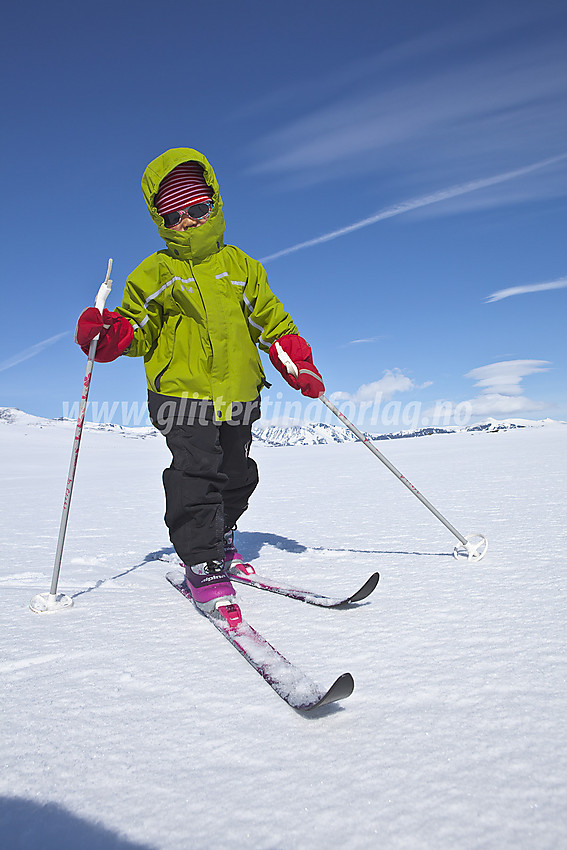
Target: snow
(129, 722)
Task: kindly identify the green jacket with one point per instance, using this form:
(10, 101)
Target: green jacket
(201, 309)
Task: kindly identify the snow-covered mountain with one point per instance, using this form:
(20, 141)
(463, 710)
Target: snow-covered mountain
(14, 416)
(302, 435)
(319, 433)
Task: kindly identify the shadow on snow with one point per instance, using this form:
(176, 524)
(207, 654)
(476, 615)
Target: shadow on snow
(28, 825)
(251, 543)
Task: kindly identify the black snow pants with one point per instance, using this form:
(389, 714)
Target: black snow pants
(209, 482)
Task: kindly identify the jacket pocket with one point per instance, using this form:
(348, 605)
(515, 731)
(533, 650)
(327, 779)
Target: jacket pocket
(161, 373)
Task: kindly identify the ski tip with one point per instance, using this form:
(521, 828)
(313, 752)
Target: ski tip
(340, 689)
(367, 588)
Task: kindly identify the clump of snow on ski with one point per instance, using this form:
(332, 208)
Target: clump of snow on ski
(323, 601)
(287, 680)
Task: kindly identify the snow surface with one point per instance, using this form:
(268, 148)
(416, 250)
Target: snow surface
(129, 722)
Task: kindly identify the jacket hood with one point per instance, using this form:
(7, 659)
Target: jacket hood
(196, 243)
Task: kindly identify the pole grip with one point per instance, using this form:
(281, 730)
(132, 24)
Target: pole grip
(104, 290)
(100, 301)
(287, 361)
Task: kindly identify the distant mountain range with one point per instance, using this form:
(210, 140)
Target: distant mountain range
(276, 435)
(14, 416)
(309, 435)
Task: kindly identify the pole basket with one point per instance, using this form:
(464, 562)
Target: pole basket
(45, 603)
(473, 550)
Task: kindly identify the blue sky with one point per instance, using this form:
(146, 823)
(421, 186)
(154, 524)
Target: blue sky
(400, 167)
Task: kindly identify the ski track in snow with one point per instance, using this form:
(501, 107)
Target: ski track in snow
(129, 722)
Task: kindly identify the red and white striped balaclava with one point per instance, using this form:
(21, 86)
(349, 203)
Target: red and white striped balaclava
(183, 186)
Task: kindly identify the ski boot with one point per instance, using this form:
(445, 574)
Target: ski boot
(233, 563)
(212, 591)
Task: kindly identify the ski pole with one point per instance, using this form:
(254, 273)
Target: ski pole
(472, 551)
(47, 602)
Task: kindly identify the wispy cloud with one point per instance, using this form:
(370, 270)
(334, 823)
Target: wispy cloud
(365, 341)
(560, 283)
(447, 104)
(496, 404)
(32, 351)
(501, 390)
(417, 203)
(506, 375)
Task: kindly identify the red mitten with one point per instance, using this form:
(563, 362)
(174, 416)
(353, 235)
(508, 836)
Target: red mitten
(294, 348)
(116, 333)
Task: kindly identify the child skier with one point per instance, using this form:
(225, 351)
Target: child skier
(197, 311)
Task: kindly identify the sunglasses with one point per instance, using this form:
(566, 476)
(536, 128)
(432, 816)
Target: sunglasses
(195, 211)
